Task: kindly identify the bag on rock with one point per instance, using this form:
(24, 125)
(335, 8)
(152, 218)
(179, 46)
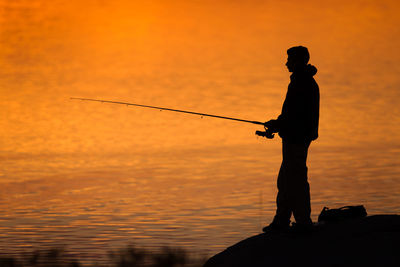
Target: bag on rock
(346, 212)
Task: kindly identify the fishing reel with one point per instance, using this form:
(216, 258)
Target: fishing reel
(267, 133)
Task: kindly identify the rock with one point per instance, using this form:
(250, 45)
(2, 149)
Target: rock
(368, 241)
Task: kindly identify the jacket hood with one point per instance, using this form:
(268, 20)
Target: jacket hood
(311, 70)
(308, 70)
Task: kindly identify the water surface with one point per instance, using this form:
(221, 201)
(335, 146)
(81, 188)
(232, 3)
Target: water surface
(95, 177)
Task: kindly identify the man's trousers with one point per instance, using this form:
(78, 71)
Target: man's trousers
(293, 188)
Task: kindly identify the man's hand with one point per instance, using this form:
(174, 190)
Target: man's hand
(272, 126)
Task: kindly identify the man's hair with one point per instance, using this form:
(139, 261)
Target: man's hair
(299, 53)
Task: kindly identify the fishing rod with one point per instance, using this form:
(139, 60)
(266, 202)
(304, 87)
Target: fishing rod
(260, 133)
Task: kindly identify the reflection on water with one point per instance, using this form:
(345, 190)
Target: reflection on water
(96, 176)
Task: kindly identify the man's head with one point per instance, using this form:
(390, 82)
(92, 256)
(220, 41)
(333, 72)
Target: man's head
(298, 57)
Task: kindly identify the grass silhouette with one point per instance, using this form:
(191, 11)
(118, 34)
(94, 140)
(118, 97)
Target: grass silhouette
(130, 256)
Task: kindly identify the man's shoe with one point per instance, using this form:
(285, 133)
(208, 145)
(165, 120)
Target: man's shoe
(276, 228)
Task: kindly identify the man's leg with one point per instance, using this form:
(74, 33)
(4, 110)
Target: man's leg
(283, 211)
(297, 184)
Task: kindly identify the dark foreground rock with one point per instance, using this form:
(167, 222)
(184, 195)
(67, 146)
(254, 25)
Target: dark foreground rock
(369, 241)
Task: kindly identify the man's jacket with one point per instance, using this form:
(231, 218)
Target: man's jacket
(298, 122)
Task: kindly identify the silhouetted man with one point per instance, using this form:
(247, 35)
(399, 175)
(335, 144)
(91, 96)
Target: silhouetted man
(297, 126)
